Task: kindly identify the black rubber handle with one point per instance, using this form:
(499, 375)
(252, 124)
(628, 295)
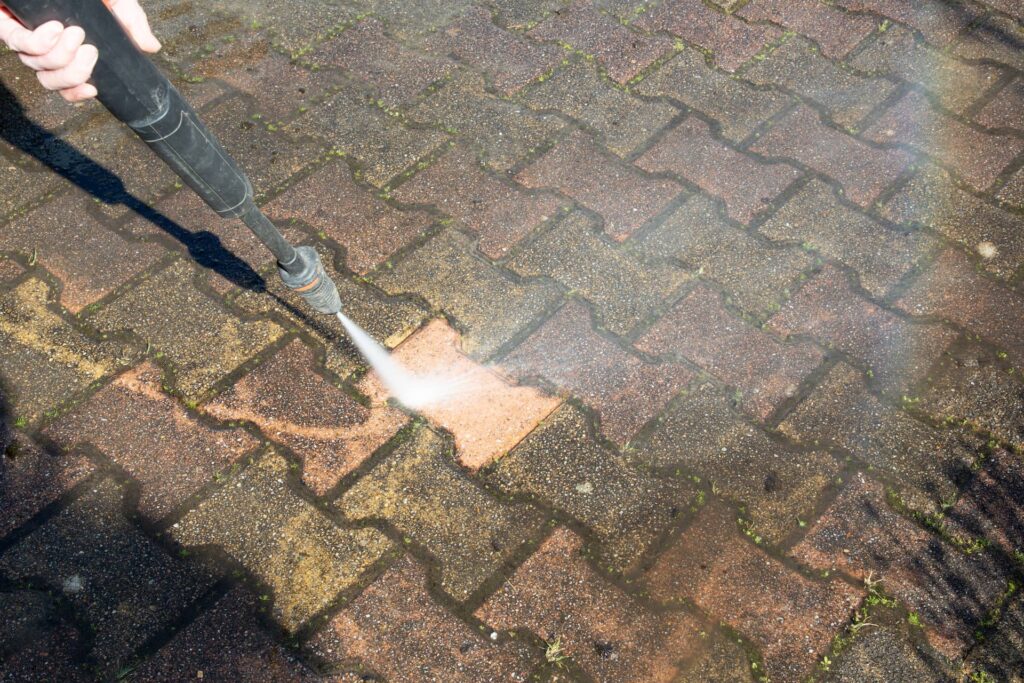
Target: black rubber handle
(137, 93)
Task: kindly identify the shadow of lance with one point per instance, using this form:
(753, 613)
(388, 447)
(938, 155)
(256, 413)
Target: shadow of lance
(204, 247)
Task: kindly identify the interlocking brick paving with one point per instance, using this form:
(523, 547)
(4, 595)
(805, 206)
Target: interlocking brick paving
(816, 219)
(82, 553)
(972, 384)
(764, 370)
(979, 517)
(835, 32)
(625, 391)
(977, 157)
(379, 143)
(201, 341)
(143, 430)
(419, 491)
(578, 168)
(690, 151)
(1002, 653)
(81, 263)
(862, 170)
(955, 83)
(952, 289)
(882, 652)
(503, 133)
(623, 122)
(331, 432)
(365, 52)
(933, 199)
(993, 38)
(736, 105)
(501, 213)
(225, 643)
(558, 597)
(252, 66)
(46, 360)
(925, 463)
(729, 292)
(951, 592)
(561, 464)
(331, 202)
(622, 52)
(796, 65)
(303, 558)
(731, 40)
(697, 236)
(622, 289)
(508, 60)
(437, 647)
(485, 301)
(1013, 192)
(34, 478)
(1006, 109)
(938, 21)
(897, 352)
(486, 413)
(229, 254)
(731, 455)
(723, 573)
(36, 643)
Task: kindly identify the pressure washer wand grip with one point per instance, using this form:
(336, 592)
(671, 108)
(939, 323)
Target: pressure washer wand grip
(137, 93)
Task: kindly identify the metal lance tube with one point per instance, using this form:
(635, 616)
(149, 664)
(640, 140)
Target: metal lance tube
(138, 94)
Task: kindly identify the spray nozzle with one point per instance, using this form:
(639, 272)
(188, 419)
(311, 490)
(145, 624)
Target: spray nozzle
(306, 277)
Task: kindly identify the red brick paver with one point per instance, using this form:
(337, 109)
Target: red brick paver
(568, 353)
(836, 32)
(862, 170)
(436, 643)
(978, 157)
(732, 41)
(690, 151)
(558, 597)
(622, 52)
(501, 212)
(149, 434)
(952, 592)
(626, 197)
(765, 371)
(713, 565)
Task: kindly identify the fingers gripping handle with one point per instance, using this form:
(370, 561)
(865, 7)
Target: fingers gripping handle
(137, 93)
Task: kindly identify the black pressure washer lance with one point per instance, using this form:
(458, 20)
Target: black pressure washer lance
(137, 93)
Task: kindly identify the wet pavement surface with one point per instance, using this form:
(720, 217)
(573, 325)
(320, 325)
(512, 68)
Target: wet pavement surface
(734, 294)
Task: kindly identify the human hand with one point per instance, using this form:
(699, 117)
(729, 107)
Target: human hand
(57, 54)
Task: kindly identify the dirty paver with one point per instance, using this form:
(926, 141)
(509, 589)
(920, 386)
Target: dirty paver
(726, 297)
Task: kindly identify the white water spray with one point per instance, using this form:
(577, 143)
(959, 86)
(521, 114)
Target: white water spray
(409, 389)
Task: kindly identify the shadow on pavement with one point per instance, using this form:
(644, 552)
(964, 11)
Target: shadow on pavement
(204, 247)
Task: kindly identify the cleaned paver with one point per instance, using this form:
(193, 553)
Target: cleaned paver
(726, 296)
(484, 410)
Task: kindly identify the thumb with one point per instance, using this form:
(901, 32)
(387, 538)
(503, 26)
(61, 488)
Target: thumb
(133, 19)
